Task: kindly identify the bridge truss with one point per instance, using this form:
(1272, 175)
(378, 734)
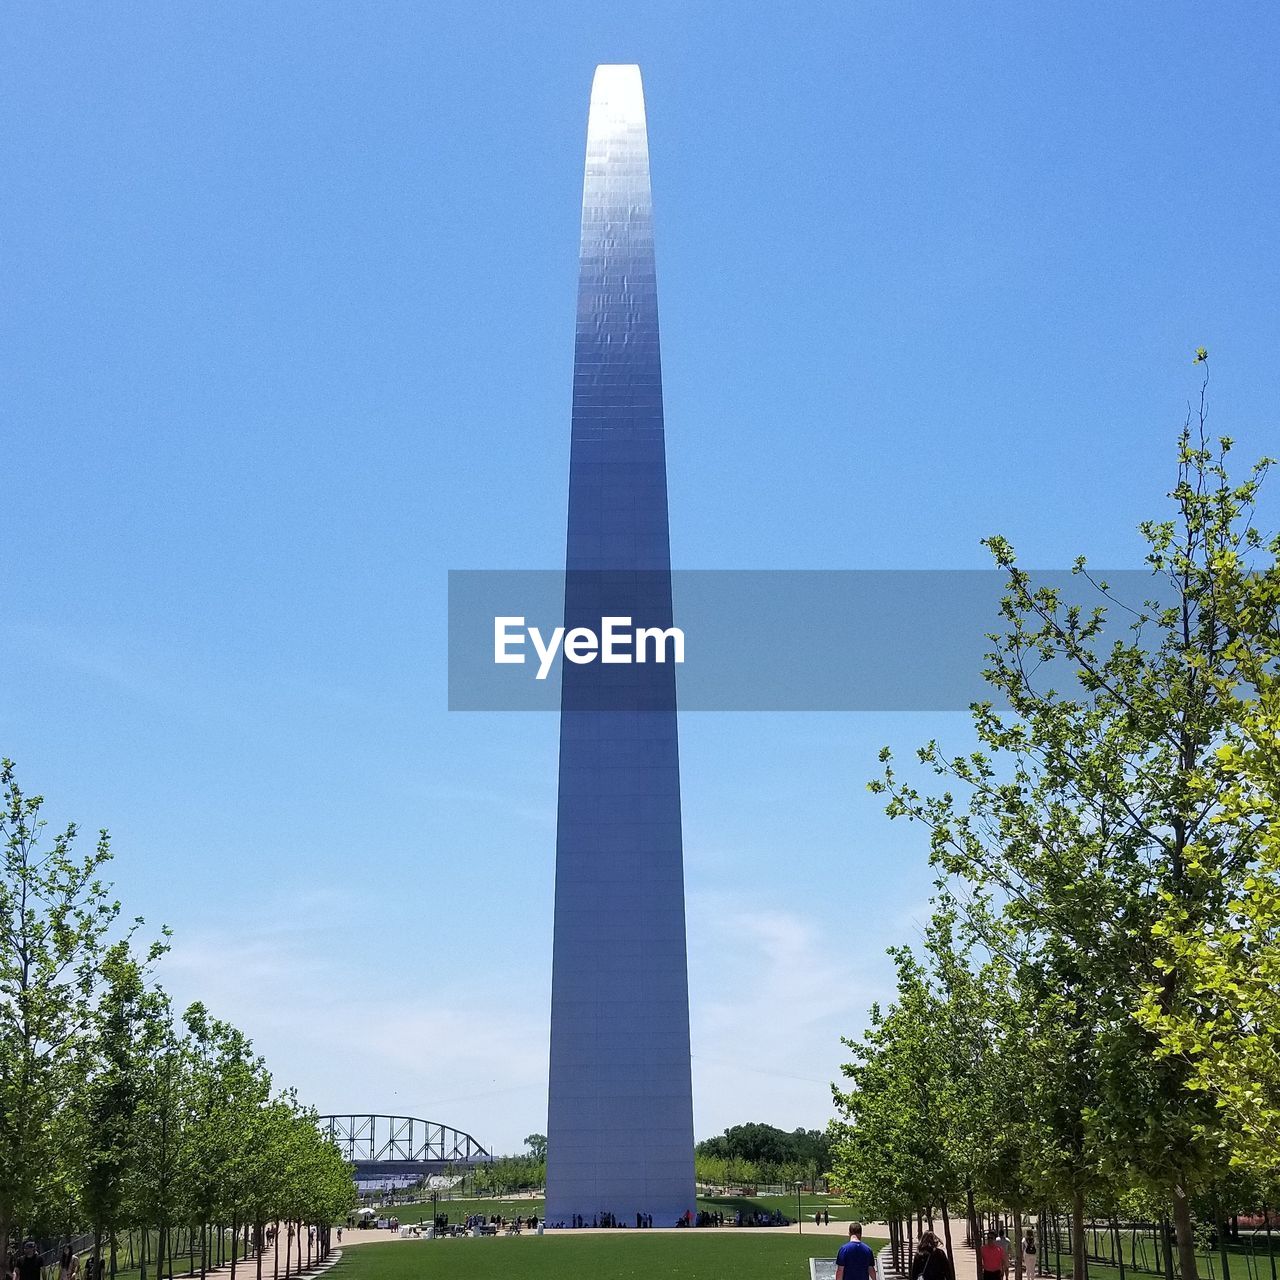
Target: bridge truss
(367, 1140)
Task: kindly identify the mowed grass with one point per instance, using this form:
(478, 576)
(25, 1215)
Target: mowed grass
(459, 1210)
(644, 1255)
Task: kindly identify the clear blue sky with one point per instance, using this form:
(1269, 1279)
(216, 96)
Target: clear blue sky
(287, 316)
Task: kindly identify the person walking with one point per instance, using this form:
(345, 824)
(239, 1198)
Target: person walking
(68, 1265)
(1003, 1241)
(29, 1264)
(931, 1261)
(994, 1258)
(855, 1261)
(1029, 1255)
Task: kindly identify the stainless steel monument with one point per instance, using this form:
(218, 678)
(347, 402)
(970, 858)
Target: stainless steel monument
(620, 1114)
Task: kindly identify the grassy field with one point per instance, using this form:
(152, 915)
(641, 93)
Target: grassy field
(1245, 1263)
(728, 1205)
(1248, 1258)
(644, 1255)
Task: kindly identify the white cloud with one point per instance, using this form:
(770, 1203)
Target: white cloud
(362, 1018)
(772, 992)
(357, 1022)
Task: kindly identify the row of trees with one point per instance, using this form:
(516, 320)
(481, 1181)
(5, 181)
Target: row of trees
(1093, 1018)
(116, 1114)
(751, 1154)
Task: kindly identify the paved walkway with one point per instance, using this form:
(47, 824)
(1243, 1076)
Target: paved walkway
(247, 1268)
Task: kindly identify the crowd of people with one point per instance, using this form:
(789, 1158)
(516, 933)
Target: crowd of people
(28, 1264)
(856, 1261)
(609, 1221)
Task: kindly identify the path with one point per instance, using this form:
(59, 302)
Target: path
(247, 1268)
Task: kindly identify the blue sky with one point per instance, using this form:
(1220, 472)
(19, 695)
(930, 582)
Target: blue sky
(287, 332)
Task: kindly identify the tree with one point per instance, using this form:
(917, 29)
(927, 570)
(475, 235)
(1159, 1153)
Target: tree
(55, 913)
(537, 1144)
(1098, 818)
(123, 1035)
(1227, 1030)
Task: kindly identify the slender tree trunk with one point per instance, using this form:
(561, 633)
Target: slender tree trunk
(1266, 1226)
(1222, 1238)
(974, 1238)
(946, 1229)
(1115, 1226)
(1187, 1265)
(275, 1250)
(1017, 1240)
(235, 1227)
(1079, 1262)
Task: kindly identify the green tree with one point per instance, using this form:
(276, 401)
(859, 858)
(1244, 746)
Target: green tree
(117, 1054)
(1226, 1029)
(1094, 816)
(55, 914)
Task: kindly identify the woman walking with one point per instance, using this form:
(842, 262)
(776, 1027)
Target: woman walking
(931, 1261)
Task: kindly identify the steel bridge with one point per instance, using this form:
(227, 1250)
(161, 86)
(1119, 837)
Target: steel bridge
(400, 1146)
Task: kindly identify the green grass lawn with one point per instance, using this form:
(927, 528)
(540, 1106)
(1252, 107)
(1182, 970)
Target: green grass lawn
(1245, 1264)
(644, 1255)
(458, 1210)
(1248, 1258)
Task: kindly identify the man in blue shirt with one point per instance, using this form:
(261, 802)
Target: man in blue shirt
(855, 1261)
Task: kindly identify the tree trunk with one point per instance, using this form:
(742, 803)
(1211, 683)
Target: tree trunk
(260, 1240)
(946, 1231)
(1017, 1241)
(1115, 1227)
(1079, 1262)
(1222, 1239)
(1266, 1226)
(235, 1227)
(1187, 1266)
(974, 1238)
